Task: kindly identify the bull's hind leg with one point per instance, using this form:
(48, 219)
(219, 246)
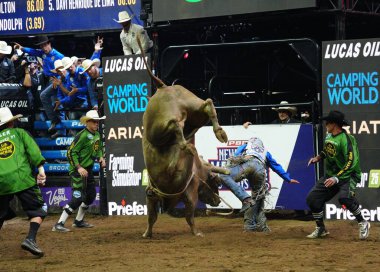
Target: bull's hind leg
(209, 109)
(177, 128)
(190, 201)
(152, 201)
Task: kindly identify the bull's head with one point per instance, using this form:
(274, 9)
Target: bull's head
(208, 190)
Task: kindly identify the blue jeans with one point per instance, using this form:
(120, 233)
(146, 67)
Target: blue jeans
(48, 97)
(253, 170)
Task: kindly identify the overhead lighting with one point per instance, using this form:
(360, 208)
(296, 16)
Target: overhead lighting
(242, 93)
(193, 1)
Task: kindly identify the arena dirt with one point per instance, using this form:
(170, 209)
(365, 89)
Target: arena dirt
(115, 244)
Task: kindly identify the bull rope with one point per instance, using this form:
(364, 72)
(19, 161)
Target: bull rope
(162, 194)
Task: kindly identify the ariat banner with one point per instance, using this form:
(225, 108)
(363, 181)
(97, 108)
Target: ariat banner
(350, 84)
(126, 89)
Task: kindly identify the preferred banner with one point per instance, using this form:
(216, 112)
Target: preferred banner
(126, 88)
(350, 84)
(27, 17)
(291, 145)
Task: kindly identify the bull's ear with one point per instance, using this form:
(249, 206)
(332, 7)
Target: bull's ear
(212, 177)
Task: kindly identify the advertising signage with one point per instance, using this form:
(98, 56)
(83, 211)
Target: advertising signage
(168, 10)
(292, 152)
(31, 17)
(126, 88)
(350, 83)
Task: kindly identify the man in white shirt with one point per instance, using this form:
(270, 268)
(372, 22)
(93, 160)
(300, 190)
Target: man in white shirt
(129, 33)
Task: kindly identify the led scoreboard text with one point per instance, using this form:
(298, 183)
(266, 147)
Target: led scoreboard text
(51, 16)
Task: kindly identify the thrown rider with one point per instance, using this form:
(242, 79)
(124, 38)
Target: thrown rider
(251, 161)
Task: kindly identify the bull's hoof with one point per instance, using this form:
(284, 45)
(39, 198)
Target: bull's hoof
(147, 234)
(221, 135)
(199, 234)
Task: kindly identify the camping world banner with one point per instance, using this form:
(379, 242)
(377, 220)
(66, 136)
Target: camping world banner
(350, 83)
(126, 88)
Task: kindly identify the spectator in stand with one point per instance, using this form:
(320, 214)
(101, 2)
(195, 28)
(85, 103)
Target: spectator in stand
(7, 69)
(96, 55)
(48, 94)
(73, 84)
(91, 67)
(34, 86)
(129, 33)
(71, 89)
(285, 114)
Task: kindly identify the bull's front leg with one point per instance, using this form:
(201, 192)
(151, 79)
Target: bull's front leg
(209, 109)
(152, 201)
(190, 201)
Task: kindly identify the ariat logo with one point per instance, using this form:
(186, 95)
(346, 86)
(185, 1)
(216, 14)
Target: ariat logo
(7, 149)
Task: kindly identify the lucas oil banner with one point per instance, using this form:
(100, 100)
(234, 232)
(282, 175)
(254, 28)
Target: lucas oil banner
(126, 89)
(291, 145)
(350, 84)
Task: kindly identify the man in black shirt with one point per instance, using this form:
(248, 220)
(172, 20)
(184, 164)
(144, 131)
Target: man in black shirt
(7, 69)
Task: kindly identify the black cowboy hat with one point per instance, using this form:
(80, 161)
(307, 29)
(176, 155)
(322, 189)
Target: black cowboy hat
(42, 39)
(336, 117)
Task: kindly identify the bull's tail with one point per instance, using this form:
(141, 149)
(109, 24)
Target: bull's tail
(158, 82)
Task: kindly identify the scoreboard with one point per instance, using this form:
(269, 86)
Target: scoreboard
(31, 17)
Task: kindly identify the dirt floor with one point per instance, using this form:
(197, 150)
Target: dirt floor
(115, 244)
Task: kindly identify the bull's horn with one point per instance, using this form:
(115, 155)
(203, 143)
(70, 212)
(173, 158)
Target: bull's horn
(220, 170)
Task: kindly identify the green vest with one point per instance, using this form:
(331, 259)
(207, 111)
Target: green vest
(19, 154)
(341, 156)
(85, 149)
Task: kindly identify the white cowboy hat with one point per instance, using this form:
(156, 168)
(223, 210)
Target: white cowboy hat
(58, 65)
(86, 64)
(292, 110)
(74, 59)
(5, 48)
(91, 115)
(123, 17)
(67, 62)
(7, 116)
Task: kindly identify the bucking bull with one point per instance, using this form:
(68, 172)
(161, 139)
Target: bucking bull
(176, 173)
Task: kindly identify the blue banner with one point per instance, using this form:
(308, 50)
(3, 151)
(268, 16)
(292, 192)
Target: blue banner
(26, 17)
(60, 196)
(60, 141)
(68, 124)
(64, 167)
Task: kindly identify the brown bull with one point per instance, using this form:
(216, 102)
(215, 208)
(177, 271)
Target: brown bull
(172, 117)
